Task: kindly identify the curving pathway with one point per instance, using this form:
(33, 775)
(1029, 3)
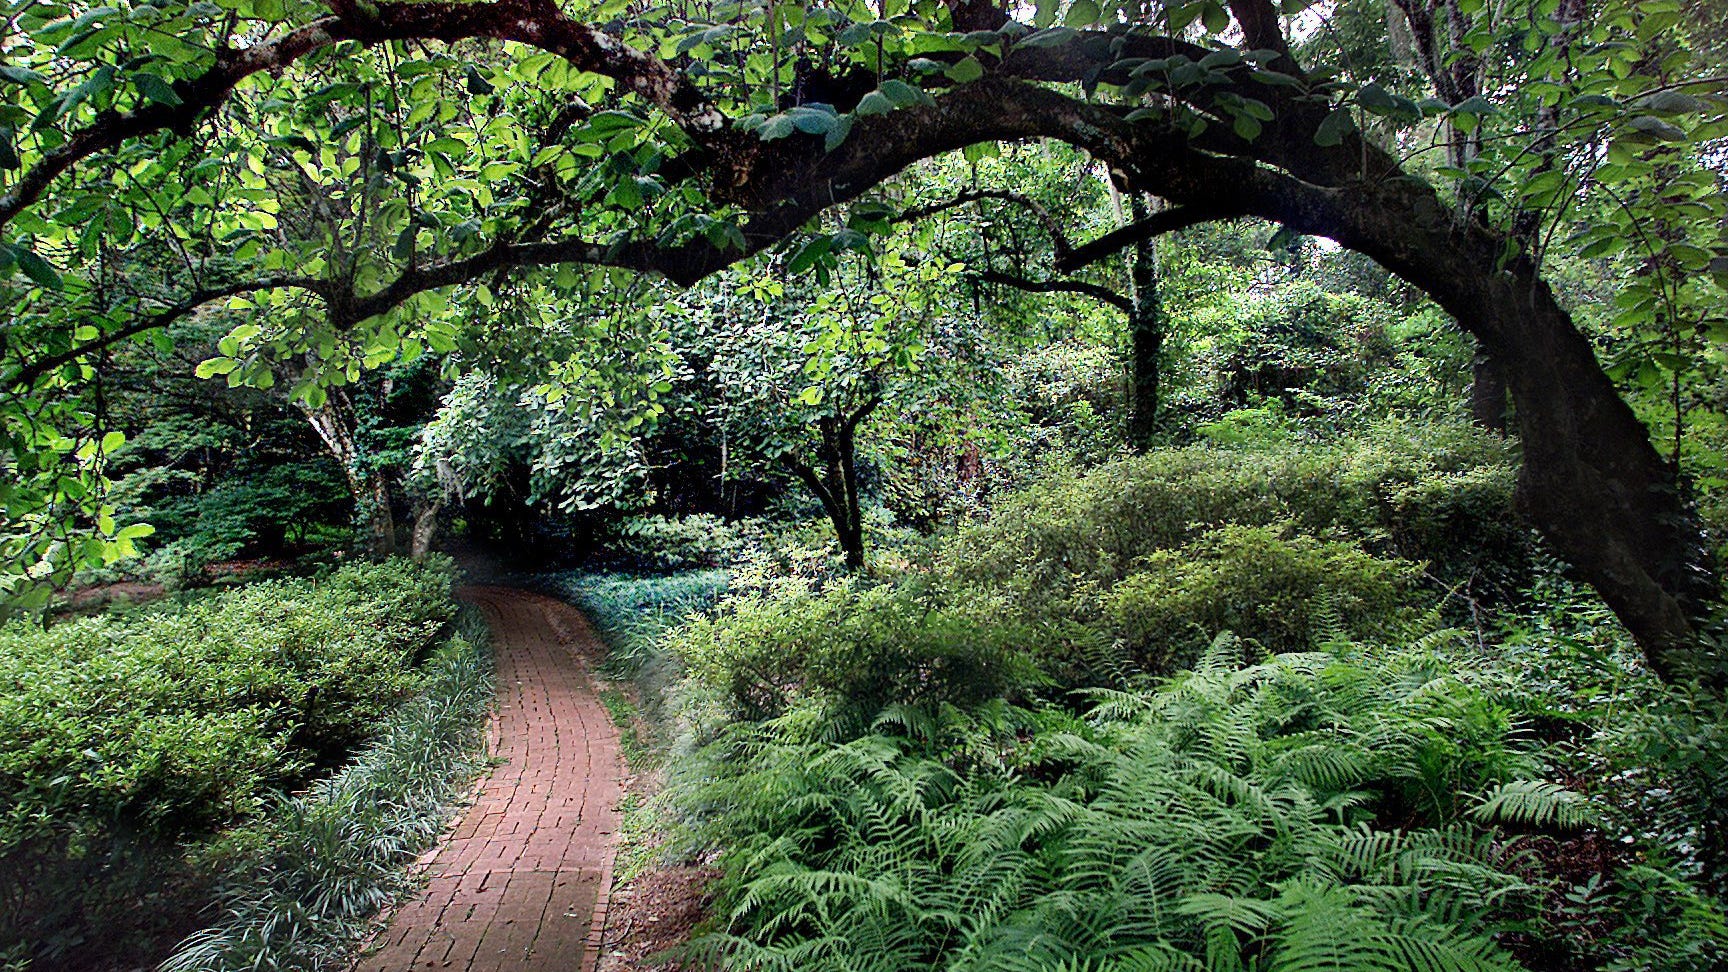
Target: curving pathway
(522, 881)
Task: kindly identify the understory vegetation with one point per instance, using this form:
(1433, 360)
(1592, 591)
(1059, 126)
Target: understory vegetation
(132, 745)
(300, 886)
(1271, 704)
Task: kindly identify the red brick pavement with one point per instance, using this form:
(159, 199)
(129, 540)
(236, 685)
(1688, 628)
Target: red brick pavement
(521, 882)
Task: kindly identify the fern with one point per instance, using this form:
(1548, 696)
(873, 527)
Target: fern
(1222, 821)
(1537, 803)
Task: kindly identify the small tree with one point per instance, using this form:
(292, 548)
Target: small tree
(790, 374)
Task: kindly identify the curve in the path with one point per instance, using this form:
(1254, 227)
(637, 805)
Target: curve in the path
(521, 882)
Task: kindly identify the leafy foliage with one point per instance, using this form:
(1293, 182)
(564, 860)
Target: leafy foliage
(301, 885)
(1277, 816)
(124, 735)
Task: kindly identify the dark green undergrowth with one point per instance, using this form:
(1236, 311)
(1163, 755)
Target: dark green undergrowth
(1354, 808)
(1258, 706)
(298, 888)
(631, 611)
(126, 739)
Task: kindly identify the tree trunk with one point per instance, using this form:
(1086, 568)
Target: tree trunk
(837, 484)
(425, 528)
(1591, 480)
(1487, 394)
(335, 424)
(1145, 336)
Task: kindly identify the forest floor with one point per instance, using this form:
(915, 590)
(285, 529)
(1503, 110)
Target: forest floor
(522, 881)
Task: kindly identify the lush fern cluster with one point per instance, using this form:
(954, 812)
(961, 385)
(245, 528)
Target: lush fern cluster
(1314, 811)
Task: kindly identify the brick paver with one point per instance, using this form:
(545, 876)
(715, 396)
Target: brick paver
(521, 882)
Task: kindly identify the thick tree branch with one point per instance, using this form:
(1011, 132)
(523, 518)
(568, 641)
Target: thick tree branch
(1261, 28)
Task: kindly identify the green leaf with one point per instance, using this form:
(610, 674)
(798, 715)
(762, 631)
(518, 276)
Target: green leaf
(874, 103)
(1082, 13)
(966, 70)
(1377, 99)
(477, 83)
(215, 366)
(806, 256)
(1215, 18)
(1333, 128)
(904, 95)
(156, 89)
(36, 268)
(812, 121)
(1658, 129)
(1670, 103)
(837, 134)
(18, 75)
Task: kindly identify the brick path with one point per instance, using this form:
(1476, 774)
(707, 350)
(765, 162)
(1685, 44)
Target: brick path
(521, 883)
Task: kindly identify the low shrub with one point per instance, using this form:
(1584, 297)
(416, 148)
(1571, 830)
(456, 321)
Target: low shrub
(1286, 593)
(121, 736)
(856, 649)
(1438, 494)
(669, 544)
(298, 888)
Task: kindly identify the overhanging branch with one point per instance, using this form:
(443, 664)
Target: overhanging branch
(1081, 287)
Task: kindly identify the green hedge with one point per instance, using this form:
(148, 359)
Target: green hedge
(121, 737)
(176, 722)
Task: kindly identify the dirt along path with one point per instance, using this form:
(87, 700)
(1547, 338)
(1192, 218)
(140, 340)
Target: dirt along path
(522, 881)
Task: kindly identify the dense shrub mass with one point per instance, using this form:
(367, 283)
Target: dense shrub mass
(858, 650)
(1438, 494)
(995, 758)
(172, 722)
(1135, 567)
(120, 736)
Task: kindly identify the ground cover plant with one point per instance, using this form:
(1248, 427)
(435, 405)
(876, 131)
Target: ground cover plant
(125, 736)
(1348, 808)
